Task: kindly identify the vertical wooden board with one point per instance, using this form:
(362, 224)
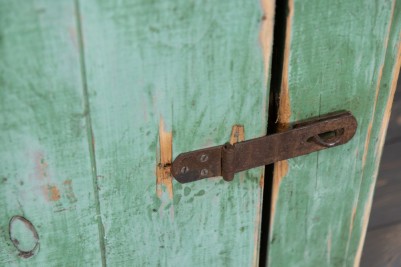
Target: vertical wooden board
(45, 170)
(339, 55)
(192, 69)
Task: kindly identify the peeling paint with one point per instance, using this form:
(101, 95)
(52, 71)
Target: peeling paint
(369, 131)
(258, 221)
(284, 109)
(390, 100)
(237, 134)
(163, 167)
(280, 171)
(284, 113)
(266, 33)
(365, 221)
(379, 147)
(329, 239)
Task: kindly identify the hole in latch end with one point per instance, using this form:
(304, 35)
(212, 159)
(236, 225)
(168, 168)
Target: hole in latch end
(327, 139)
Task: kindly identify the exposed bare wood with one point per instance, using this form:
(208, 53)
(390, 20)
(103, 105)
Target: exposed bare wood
(163, 168)
(237, 134)
(284, 111)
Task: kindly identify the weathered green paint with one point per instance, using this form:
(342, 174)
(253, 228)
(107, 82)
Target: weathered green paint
(199, 68)
(45, 171)
(84, 86)
(342, 55)
(126, 66)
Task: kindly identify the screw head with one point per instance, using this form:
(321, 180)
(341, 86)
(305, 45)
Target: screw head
(204, 172)
(204, 158)
(184, 169)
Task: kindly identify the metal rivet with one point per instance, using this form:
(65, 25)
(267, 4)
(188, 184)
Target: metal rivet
(204, 158)
(204, 172)
(184, 169)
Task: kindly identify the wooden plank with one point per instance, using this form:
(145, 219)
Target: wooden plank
(382, 247)
(45, 170)
(394, 127)
(386, 207)
(339, 55)
(188, 70)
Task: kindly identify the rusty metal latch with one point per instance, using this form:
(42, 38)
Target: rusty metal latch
(226, 160)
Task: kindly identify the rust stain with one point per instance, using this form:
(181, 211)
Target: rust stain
(69, 192)
(41, 166)
(284, 113)
(237, 134)
(163, 167)
(51, 192)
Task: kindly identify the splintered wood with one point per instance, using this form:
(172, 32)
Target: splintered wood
(237, 134)
(163, 168)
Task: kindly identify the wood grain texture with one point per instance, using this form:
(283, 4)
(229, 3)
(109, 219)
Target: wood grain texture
(237, 134)
(201, 67)
(382, 246)
(394, 127)
(386, 205)
(45, 167)
(164, 179)
(343, 55)
(386, 248)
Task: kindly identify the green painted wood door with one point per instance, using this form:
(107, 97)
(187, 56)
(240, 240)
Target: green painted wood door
(338, 55)
(91, 94)
(97, 97)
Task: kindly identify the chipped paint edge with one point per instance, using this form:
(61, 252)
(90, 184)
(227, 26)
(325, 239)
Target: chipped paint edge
(284, 113)
(380, 143)
(164, 159)
(266, 41)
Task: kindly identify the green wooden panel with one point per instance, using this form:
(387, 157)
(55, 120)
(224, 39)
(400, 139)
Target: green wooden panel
(45, 167)
(339, 55)
(195, 68)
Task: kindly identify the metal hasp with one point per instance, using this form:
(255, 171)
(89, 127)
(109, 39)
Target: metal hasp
(306, 137)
